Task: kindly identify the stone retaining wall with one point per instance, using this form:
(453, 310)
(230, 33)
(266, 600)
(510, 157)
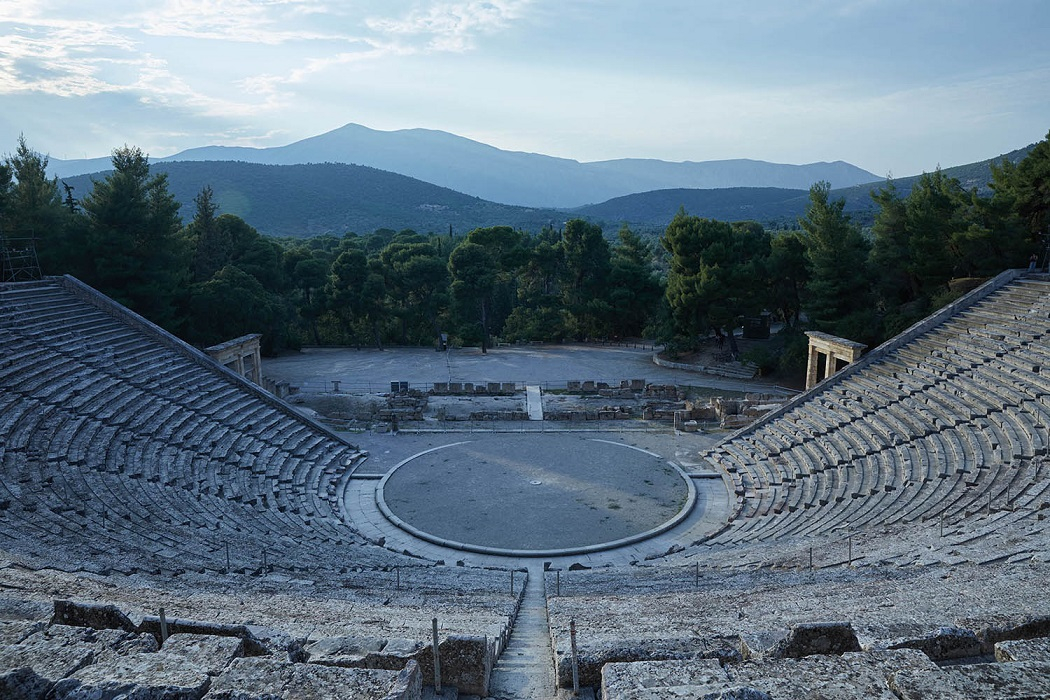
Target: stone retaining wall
(46, 661)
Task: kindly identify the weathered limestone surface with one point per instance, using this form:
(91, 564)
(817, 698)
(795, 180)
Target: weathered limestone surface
(1023, 650)
(1014, 625)
(96, 615)
(592, 658)
(847, 677)
(811, 638)
(58, 651)
(944, 644)
(23, 683)
(331, 683)
(466, 663)
(658, 613)
(1022, 680)
(141, 676)
(651, 679)
(363, 652)
(263, 678)
(209, 653)
(250, 644)
(14, 631)
(252, 678)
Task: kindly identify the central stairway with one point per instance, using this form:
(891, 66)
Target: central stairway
(525, 670)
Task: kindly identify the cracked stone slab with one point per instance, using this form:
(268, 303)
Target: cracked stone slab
(364, 652)
(1021, 680)
(846, 677)
(1023, 650)
(141, 676)
(264, 678)
(208, 652)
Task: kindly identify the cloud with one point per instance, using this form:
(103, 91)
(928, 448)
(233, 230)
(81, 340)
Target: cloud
(450, 26)
(244, 21)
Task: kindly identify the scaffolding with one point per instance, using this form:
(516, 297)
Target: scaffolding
(18, 260)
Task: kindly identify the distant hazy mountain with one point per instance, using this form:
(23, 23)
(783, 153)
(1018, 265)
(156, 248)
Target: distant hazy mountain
(304, 200)
(769, 206)
(335, 198)
(510, 177)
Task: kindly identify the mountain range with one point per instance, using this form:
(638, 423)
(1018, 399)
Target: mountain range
(507, 177)
(335, 198)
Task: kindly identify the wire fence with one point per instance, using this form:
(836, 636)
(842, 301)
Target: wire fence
(539, 426)
(350, 386)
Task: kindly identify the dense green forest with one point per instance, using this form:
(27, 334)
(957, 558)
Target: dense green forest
(215, 277)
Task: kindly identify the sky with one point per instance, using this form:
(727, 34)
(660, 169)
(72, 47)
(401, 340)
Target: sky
(896, 87)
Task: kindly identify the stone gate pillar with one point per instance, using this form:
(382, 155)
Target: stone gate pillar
(242, 355)
(828, 354)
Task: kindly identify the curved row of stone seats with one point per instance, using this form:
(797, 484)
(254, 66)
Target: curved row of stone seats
(364, 619)
(710, 604)
(913, 433)
(903, 674)
(153, 433)
(144, 461)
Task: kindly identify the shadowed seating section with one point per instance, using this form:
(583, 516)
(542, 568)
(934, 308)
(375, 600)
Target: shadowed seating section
(123, 451)
(126, 454)
(949, 425)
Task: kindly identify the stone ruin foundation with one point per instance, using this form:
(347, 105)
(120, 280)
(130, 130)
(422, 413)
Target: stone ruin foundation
(580, 401)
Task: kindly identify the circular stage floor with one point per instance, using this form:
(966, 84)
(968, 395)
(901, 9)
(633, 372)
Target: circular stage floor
(536, 493)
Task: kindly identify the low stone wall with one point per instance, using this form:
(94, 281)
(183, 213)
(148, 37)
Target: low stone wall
(466, 661)
(474, 388)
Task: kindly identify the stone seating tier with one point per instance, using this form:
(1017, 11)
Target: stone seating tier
(961, 421)
(154, 436)
(679, 612)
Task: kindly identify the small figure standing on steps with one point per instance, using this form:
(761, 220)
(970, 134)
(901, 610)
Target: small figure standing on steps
(1032, 262)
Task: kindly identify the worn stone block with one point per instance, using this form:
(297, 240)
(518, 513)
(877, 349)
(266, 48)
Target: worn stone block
(1007, 627)
(252, 645)
(622, 680)
(94, 615)
(817, 638)
(141, 676)
(315, 681)
(348, 652)
(23, 683)
(50, 663)
(14, 631)
(252, 678)
(945, 643)
(759, 644)
(208, 652)
(1023, 650)
(847, 677)
(1012, 681)
(466, 663)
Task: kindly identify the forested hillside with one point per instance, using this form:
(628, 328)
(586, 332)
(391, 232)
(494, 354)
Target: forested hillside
(775, 208)
(331, 198)
(212, 276)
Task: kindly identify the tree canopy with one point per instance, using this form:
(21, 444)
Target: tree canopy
(217, 277)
